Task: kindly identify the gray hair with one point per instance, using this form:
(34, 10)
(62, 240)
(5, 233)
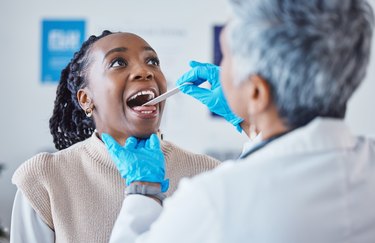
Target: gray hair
(312, 53)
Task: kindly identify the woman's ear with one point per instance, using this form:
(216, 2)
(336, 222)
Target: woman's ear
(84, 98)
(259, 95)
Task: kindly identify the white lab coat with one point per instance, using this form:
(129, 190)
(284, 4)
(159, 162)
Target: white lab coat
(314, 184)
(27, 225)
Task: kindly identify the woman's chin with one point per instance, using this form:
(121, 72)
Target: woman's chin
(145, 133)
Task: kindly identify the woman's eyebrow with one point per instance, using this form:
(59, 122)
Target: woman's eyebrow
(124, 49)
(149, 48)
(117, 49)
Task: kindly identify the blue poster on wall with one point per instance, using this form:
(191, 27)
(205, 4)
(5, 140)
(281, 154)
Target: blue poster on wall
(216, 44)
(217, 55)
(60, 40)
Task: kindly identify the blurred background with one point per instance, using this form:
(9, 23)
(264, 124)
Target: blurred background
(179, 31)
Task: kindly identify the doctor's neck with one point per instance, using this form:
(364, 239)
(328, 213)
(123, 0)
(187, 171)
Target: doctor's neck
(269, 123)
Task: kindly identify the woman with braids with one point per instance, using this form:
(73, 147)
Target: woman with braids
(75, 194)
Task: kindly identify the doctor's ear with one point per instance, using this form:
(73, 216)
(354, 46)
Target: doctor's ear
(259, 92)
(85, 101)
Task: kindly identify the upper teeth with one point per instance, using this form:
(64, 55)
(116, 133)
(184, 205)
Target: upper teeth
(143, 92)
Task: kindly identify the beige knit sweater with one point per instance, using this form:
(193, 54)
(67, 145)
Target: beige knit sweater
(78, 191)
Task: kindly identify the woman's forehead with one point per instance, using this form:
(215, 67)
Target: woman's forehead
(116, 40)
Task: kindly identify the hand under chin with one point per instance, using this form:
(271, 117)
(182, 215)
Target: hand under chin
(146, 133)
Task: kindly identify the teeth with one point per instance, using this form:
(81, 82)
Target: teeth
(146, 112)
(143, 92)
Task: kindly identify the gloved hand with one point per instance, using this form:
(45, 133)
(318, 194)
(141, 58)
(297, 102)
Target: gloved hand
(138, 160)
(213, 98)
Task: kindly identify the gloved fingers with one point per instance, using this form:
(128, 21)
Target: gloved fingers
(191, 76)
(147, 144)
(131, 143)
(110, 142)
(194, 64)
(141, 144)
(207, 71)
(198, 93)
(165, 185)
(153, 142)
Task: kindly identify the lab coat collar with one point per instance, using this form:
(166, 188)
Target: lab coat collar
(259, 145)
(320, 135)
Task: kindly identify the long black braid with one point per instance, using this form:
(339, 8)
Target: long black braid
(69, 124)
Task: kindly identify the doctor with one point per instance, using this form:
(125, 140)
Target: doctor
(288, 69)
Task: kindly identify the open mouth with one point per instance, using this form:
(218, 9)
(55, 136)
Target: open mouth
(136, 101)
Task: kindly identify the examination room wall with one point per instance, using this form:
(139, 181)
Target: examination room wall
(179, 31)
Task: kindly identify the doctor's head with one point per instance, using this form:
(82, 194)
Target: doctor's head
(295, 59)
(103, 88)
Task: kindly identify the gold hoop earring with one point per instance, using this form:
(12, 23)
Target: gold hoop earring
(89, 111)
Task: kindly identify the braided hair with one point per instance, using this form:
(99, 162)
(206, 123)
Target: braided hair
(68, 123)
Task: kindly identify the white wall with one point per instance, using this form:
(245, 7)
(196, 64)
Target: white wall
(26, 104)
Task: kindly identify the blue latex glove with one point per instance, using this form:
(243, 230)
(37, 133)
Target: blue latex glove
(138, 160)
(213, 98)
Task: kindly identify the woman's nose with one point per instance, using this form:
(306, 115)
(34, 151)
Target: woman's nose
(142, 73)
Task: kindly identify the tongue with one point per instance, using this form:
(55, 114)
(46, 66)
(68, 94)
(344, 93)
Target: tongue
(144, 108)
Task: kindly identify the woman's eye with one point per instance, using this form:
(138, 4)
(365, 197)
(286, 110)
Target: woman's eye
(153, 61)
(119, 62)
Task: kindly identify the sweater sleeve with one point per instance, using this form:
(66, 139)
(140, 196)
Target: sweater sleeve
(27, 226)
(29, 179)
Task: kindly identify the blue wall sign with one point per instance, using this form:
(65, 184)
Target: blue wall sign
(60, 40)
(217, 55)
(216, 44)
